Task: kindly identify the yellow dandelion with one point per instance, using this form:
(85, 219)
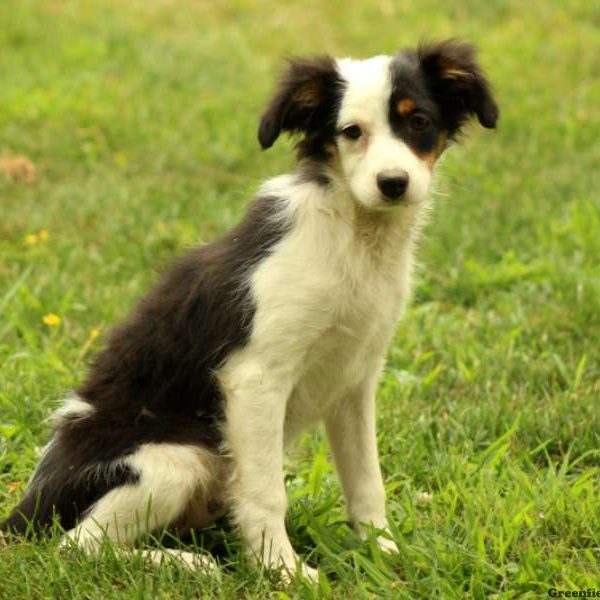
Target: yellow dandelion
(51, 320)
(34, 238)
(94, 333)
(161, 226)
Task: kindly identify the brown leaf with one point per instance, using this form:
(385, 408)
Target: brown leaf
(18, 168)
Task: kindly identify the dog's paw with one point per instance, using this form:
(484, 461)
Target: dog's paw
(365, 531)
(388, 546)
(288, 574)
(309, 573)
(291, 569)
(190, 560)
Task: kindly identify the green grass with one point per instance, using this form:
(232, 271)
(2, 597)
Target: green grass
(140, 118)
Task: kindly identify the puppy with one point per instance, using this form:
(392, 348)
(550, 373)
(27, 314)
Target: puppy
(281, 323)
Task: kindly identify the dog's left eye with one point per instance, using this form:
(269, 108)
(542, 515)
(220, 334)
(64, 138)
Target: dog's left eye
(352, 132)
(419, 122)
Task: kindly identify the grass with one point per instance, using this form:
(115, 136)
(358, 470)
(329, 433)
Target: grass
(140, 119)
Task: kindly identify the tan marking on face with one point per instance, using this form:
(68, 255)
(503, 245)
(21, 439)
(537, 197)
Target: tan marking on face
(406, 106)
(430, 158)
(441, 145)
(451, 73)
(332, 152)
(308, 94)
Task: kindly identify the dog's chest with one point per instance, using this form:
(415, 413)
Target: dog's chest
(331, 306)
(325, 308)
(347, 350)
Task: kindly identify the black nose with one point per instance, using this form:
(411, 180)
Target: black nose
(392, 184)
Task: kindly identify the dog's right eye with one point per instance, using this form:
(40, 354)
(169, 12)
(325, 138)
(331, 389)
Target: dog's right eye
(352, 132)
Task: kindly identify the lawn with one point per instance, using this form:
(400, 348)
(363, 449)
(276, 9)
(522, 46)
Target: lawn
(136, 126)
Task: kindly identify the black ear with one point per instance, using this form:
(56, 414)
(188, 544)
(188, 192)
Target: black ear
(304, 100)
(457, 83)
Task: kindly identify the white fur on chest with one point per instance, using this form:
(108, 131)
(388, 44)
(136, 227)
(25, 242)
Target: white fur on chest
(326, 300)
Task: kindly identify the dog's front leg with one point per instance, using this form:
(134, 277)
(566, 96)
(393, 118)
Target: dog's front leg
(353, 440)
(255, 414)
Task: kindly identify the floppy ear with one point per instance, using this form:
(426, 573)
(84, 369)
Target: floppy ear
(457, 83)
(303, 101)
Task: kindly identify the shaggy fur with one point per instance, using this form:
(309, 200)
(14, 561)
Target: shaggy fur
(278, 325)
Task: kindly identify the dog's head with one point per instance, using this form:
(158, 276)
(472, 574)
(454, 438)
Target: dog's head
(381, 123)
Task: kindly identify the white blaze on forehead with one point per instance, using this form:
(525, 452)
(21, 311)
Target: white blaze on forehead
(368, 89)
(366, 103)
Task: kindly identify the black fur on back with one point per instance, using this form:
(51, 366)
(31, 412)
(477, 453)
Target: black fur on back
(154, 381)
(161, 360)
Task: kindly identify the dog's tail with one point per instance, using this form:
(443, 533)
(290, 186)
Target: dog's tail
(25, 519)
(43, 497)
(62, 491)
(49, 496)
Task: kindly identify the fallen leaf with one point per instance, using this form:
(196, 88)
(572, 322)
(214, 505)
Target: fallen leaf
(18, 168)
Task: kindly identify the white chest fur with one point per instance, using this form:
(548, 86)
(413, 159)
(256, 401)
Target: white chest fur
(327, 299)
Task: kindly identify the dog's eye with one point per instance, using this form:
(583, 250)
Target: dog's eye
(352, 132)
(419, 122)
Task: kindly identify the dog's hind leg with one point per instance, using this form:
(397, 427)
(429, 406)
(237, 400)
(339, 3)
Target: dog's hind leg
(170, 478)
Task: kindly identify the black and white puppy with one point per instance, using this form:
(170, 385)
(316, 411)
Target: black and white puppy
(279, 324)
